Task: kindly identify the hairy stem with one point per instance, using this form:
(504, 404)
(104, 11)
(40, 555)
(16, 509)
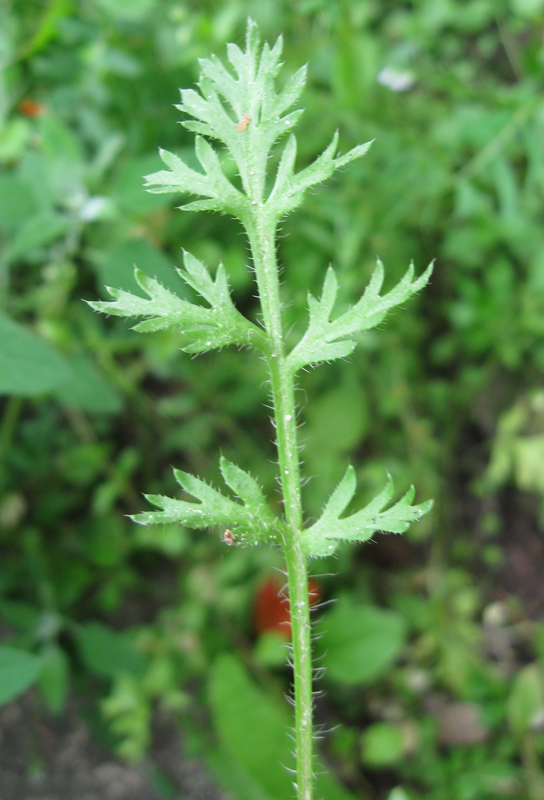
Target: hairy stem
(262, 236)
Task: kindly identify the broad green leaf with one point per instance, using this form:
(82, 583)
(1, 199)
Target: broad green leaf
(40, 230)
(249, 522)
(88, 390)
(526, 701)
(28, 366)
(18, 671)
(326, 340)
(254, 741)
(14, 136)
(337, 433)
(16, 201)
(106, 651)
(359, 643)
(323, 537)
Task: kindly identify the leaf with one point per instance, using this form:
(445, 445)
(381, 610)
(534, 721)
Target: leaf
(371, 308)
(249, 522)
(326, 340)
(322, 538)
(230, 196)
(164, 309)
(526, 702)
(28, 366)
(290, 92)
(285, 170)
(107, 652)
(179, 178)
(40, 230)
(18, 671)
(296, 185)
(242, 484)
(17, 203)
(205, 328)
(215, 292)
(254, 745)
(358, 643)
(223, 196)
(88, 390)
(239, 106)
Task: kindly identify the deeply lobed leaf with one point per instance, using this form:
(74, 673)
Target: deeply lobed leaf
(326, 340)
(322, 538)
(240, 107)
(249, 522)
(204, 328)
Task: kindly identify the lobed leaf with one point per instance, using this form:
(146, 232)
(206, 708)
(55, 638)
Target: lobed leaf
(205, 328)
(290, 187)
(240, 106)
(325, 340)
(223, 196)
(290, 92)
(249, 522)
(322, 538)
(179, 178)
(163, 309)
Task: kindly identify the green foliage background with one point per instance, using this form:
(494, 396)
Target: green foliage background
(447, 393)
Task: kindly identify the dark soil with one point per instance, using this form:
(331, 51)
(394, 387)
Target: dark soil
(524, 567)
(45, 758)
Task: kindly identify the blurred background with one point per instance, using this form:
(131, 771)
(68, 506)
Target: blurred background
(151, 662)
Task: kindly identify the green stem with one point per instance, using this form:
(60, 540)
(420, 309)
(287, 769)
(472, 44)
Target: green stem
(262, 236)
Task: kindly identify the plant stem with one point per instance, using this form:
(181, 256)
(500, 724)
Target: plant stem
(262, 236)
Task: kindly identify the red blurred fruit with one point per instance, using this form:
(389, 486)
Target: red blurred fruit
(271, 610)
(31, 108)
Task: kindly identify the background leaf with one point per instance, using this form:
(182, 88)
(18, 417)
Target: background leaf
(253, 736)
(359, 644)
(18, 671)
(28, 366)
(107, 652)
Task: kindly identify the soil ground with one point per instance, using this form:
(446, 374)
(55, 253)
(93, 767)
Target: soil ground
(57, 759)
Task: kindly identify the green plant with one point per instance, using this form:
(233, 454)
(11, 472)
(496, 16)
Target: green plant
(247, 114)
